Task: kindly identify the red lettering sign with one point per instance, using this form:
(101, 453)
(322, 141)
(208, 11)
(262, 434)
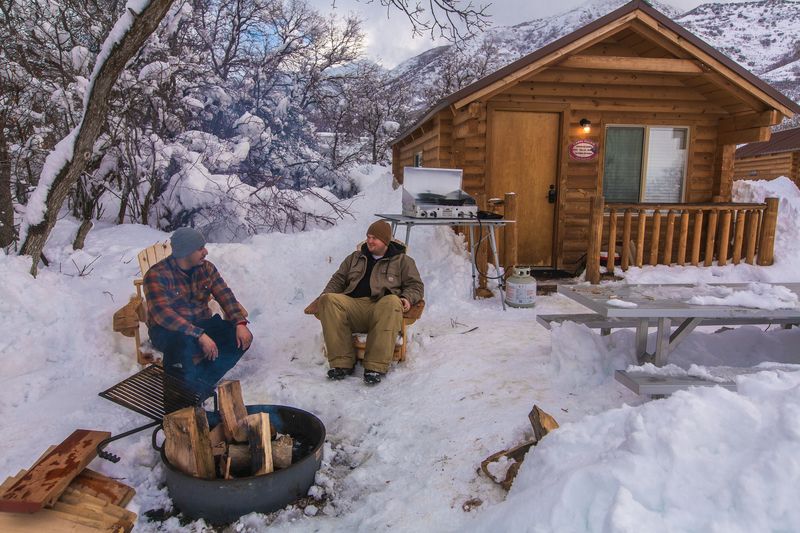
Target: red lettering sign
(583, 150)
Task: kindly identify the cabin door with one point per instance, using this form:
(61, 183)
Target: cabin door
(524, 160)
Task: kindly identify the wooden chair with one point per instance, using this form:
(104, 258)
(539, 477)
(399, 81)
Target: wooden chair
(360, 338)
(126, 320)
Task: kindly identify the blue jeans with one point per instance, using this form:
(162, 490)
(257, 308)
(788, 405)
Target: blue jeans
(180, 349)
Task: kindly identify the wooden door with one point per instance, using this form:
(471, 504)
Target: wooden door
(524, 159)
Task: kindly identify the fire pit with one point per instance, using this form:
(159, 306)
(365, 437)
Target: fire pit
(221, 501)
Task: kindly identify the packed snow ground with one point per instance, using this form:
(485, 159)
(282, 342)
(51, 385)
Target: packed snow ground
(405, 455)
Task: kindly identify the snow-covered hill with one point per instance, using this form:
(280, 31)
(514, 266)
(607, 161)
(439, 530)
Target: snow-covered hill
(764, 37)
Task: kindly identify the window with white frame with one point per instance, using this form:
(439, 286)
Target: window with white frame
(418, 159)
(645, 163)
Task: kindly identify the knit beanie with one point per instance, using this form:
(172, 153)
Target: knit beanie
(381, 230)
(185, 241)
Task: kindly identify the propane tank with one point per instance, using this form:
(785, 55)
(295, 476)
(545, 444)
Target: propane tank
(521, 288)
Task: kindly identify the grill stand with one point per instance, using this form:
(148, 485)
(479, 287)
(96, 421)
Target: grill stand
(152, 393)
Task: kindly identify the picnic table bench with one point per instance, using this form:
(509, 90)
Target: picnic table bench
(659, 306)
(606, 324)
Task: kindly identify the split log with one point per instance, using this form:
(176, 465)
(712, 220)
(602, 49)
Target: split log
(239, 457)
(46, 521)
(516, 455)
(259, 437)
(187, 445)
(48, 478)
(219, 447)
(542, 423)
(82, 514)
(77, 497)
(282, 451)
(232, 410)
(103, 487)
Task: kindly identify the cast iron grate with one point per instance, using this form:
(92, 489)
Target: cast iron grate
(152, 393)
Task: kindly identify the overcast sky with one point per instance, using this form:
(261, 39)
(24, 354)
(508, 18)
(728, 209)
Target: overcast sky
(388, 34)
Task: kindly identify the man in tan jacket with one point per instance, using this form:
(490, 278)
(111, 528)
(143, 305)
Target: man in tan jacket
(369, 292)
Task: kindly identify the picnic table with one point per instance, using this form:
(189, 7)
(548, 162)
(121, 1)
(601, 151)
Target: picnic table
(668, 305)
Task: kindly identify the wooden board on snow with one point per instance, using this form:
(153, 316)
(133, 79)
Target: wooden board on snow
(48, 478)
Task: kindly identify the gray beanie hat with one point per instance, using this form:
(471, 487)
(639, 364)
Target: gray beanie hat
(185, 241)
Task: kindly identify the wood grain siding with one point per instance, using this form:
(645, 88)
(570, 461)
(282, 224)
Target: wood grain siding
(767, 167)
(634, 70)
(469, 143)
(434, 139)
(796, 168)
(616, 98)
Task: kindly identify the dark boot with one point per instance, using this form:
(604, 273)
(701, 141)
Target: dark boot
(339, 373)
(372, 377)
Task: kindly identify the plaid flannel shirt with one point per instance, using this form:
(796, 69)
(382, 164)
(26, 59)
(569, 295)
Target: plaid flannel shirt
(176, 300)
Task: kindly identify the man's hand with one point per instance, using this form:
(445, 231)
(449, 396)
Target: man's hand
(406, 304)
(208, 346)
(243, 337)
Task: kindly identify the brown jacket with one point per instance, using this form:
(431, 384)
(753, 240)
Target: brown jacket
(394, 273)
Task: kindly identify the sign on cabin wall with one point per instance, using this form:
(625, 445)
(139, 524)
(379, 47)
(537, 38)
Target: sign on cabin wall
(583, 150)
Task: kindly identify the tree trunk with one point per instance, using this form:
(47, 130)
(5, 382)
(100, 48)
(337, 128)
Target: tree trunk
(80, 238)
(94, 117)
(7, 232)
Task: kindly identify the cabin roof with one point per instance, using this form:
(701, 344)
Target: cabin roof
(462, 96)
(781, 141)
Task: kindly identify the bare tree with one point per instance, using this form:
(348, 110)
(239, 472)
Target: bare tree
(227, 39)
(454, 20)
(76, 149)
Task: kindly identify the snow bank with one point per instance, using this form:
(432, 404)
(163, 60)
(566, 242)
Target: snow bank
(706, 460)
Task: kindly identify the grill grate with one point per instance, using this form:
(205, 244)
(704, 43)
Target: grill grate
(153, 393)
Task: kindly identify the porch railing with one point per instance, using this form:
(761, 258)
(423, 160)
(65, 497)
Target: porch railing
(666, 234)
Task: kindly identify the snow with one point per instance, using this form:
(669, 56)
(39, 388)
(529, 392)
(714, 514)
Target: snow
(406, 454)
(756, 296)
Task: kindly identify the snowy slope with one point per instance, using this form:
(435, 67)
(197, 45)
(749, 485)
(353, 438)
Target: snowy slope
(761, 36)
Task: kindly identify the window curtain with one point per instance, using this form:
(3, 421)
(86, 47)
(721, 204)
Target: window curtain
(666, 164)
(623, 164)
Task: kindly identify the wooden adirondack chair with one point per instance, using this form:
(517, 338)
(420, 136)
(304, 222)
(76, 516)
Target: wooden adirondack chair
(360, 338)
(127, 319)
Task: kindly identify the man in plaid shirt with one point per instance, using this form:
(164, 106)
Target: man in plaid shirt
(197, 347)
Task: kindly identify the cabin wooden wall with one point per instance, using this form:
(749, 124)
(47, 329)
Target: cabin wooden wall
(579, 86)
(434, 139)
(619, 99)
(768, 166)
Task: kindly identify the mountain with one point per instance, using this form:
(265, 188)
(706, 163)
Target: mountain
(764, 37)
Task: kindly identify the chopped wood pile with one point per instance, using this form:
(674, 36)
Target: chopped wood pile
(59, 494)
(241, 445)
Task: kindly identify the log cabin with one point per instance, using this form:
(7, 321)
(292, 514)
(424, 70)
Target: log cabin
(603, 133)
(766, 160)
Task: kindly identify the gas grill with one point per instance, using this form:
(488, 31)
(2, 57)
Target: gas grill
(436, 193)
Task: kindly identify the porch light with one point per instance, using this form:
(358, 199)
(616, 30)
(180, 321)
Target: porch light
(586, 124)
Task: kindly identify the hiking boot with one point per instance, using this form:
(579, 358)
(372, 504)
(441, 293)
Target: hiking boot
(372, 377)
(339, 373)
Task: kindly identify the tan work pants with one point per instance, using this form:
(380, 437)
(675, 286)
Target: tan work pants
(341, 316)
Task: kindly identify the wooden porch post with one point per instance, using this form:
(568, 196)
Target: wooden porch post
(595, 237)
(482, 255)
(766, 242)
